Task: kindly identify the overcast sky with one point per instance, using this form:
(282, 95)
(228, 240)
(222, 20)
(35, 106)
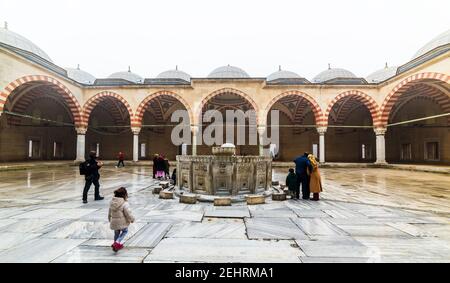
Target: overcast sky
(105, 36)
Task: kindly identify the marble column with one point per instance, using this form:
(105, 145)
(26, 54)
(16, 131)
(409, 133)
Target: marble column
(194, 130)
(322, 131)
(261, 131)
(380, 145)
(136, 132)
(81, 144)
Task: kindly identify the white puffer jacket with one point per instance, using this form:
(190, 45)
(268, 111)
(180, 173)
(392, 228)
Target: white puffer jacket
(119, 215)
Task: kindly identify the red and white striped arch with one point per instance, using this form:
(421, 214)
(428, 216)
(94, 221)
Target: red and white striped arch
(99, 97)
(402, 87)
(360, 96)
(318, 114)
(224, 91)
(61, 89)
(137, 119)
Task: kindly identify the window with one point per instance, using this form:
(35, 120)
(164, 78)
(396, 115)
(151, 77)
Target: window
(34, 149)
(363, 151)
(57, 150)
(405, 153)
(366, 152)
(432, 151)
(143, 150)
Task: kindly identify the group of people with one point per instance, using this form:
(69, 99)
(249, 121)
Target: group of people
(306, 175)
(161, 168)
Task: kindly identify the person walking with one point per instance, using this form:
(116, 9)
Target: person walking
(120, 217)
(315, 183)
(121, 157)
(166, 167)
(92, 176)
(302, 164)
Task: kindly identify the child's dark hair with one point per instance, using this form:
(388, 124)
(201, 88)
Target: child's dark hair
(291, 170)
(121, 193)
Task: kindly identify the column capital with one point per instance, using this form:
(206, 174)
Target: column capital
(321, 130)
(135, 130)
(81, 131)
(380, 131)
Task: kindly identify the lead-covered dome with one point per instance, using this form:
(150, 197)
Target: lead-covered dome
(442, 39)
(128, 76)
(175, 74)
(382, 75)
(333, 73)
(228, 72)
(80, 76)
(18, 41)
(282, 74)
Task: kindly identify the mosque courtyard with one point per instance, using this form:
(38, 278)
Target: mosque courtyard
(365, 215)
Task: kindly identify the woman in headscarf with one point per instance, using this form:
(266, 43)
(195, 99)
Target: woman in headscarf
(315, 183)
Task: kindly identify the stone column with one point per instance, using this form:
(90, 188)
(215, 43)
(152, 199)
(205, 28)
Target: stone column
(261, 131)
(380, 145)
(322, 131)
(81, 144)
(194, 130)
(136, 132)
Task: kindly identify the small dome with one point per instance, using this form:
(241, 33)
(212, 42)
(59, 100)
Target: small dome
(442, 39)
(80, 76)
(228, 72)
(18, 41)
(382, 75)
(128, 76)
(333, 73)
(175, 74)
(282, 74)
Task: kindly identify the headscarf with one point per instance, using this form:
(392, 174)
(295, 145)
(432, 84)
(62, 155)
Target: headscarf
(313, 161)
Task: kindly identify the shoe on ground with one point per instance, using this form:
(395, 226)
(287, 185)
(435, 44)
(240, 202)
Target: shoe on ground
(85, 201)
(119, 246)
(114, 246)
(99, 198)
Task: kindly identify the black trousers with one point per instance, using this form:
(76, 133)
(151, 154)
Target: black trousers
(120, 162)
(89, 181)
(303, 180)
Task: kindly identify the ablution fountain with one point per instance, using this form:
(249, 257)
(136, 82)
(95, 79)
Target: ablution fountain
(224, 174)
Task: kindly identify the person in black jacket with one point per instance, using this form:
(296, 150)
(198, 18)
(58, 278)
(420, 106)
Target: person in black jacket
(292, 184)
(92, 176)
(302, 164)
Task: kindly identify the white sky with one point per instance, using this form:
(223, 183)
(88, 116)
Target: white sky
(105, 36)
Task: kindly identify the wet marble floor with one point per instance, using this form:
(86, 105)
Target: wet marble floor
(365, 215)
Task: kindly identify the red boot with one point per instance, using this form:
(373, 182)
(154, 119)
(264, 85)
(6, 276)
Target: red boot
(119, 246)
(115, 246)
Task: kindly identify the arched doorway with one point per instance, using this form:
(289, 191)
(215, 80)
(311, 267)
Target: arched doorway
(299, 116)
(234, 100)
(38, 121)
(108, 118)
(154, 118)
(410, 138)
(350, 136)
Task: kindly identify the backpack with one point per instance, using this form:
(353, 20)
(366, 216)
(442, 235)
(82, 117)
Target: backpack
(84, 168)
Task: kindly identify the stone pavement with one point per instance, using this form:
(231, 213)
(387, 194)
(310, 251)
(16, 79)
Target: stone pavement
(366, 215)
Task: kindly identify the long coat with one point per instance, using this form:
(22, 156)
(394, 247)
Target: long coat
(315, 182)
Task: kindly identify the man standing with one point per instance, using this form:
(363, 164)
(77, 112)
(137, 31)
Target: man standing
(92, 176)
(121, 159)
(302, 164)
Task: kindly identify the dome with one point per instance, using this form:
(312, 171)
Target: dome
(440, 40)
(228, 145)
(175, 74)
(333, 73)
(228, 72)
(18, 41)
(128, 76)
(282, 74)
(382, 75)
(80, 76)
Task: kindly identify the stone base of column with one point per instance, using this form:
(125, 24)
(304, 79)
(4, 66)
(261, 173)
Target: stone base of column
(381, 163)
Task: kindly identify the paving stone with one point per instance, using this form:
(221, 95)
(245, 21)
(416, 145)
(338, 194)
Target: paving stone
(212, 228)
(86, 254)
(273, 228)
